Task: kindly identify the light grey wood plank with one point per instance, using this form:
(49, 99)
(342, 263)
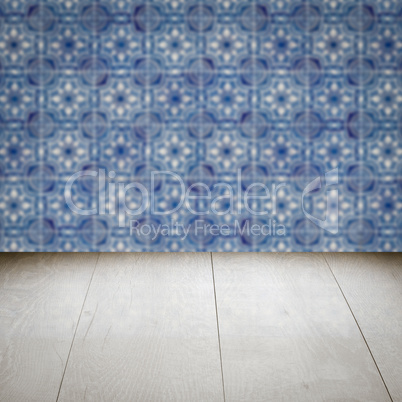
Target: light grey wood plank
(287, 333)
(41, 297)
(372, 285)
(148, 332)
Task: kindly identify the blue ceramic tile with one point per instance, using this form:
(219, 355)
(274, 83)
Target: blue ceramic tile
(289, 114)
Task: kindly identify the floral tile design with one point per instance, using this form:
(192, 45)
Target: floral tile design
(200, 125)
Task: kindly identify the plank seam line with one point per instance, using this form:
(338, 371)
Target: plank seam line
(76, 328)
(358, 326)
(217, 326)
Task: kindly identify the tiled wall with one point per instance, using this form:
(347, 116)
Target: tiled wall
(228, 93)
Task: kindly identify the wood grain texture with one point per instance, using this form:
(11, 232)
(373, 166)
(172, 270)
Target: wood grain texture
(287, 333)
(372, 284)
(41, 297)
(148, 332)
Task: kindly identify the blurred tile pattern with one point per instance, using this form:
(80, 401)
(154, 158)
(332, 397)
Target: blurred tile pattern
(280, 91)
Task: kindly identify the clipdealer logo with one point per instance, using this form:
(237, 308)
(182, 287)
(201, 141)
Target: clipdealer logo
(112, 196)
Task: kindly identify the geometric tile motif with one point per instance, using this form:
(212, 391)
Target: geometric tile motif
(273, 92)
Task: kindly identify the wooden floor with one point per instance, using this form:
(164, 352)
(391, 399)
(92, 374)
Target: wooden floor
(200, 327)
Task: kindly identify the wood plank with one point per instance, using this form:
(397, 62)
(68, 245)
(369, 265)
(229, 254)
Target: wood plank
(287, 333)
(148, 332)
(372, 284)
(41, 297)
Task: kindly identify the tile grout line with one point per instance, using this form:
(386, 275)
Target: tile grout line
(358, 326)
(217, 326)
(76, 328)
